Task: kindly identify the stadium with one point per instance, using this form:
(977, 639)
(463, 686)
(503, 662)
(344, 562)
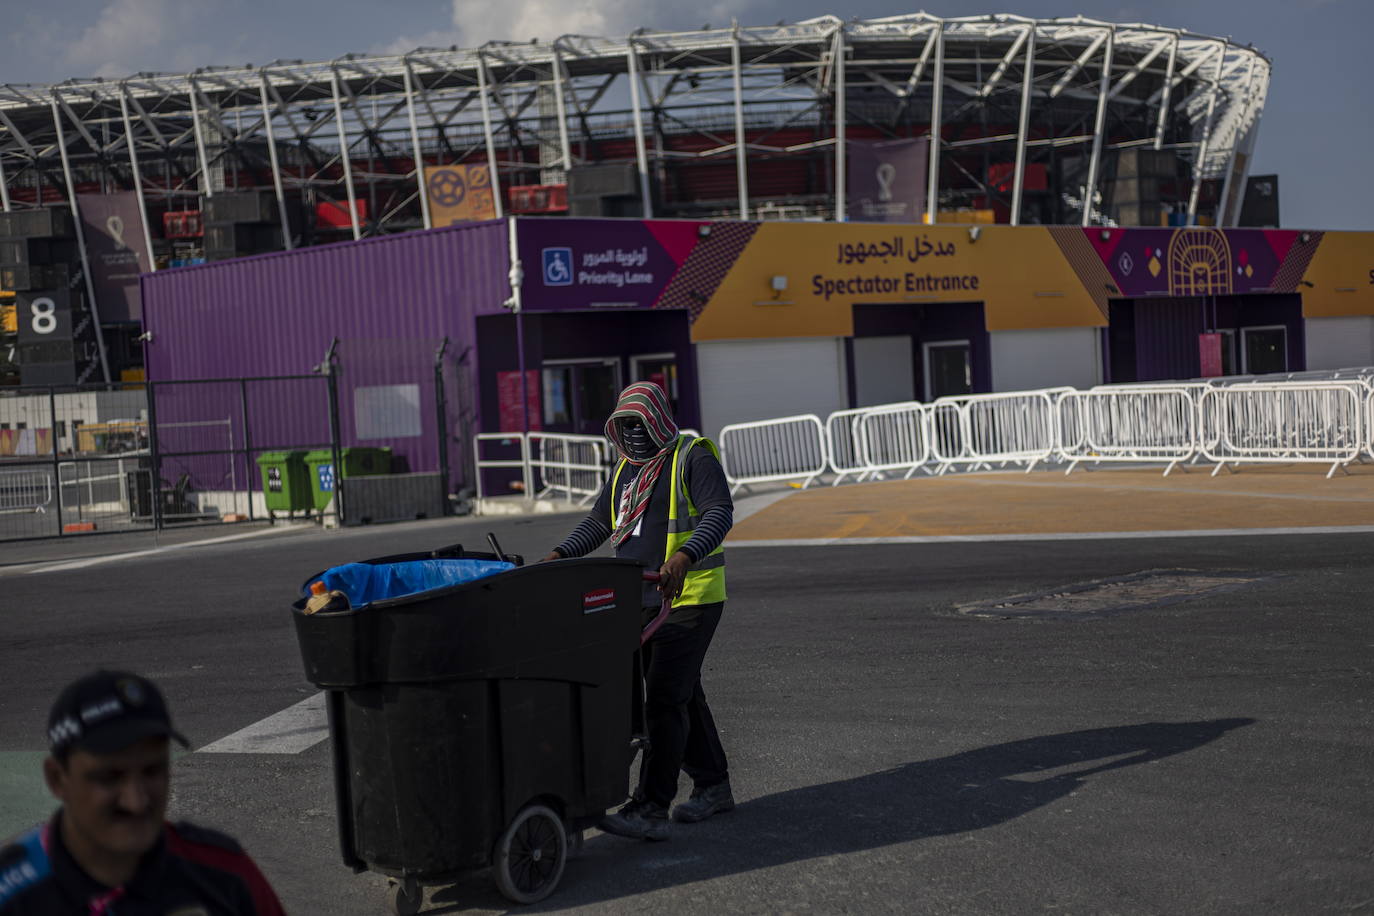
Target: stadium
(828, 214)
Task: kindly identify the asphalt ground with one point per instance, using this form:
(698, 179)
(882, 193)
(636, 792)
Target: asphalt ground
(889, 753)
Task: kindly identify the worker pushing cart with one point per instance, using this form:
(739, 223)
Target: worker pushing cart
(668, 506)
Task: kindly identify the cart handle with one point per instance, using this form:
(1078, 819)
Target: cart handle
(657, 622)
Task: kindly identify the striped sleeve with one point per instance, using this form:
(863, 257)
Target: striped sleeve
(712, 527)
(589, 534)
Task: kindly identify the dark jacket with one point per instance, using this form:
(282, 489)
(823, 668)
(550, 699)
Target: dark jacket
(191, 872)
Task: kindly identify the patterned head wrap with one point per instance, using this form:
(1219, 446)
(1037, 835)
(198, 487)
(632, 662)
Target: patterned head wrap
(645, 402)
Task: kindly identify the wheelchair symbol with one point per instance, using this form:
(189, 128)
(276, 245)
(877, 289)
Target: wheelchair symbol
(557, 266)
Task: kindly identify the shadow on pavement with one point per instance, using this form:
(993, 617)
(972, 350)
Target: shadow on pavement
(955, 794)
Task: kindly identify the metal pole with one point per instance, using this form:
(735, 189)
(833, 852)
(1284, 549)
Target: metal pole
(415, 146)
(558, 77)
(641, 155)
(837, 61)
(933, 153)
(206, 185)
(4, 185)
(335, 447)
(1201, 162)
(343, 152)
(1022, 125)
(154, 459)
(56, 463)
(276, 165)
(741, 148)
(138, 178)
(1164, 96)
(80, 239)
(247, 443)
(441, 409)
(1099, 124)
(484, 90)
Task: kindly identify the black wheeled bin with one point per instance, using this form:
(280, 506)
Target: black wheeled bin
(480, 724)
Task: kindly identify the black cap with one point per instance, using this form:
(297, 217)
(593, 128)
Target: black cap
(107, 711)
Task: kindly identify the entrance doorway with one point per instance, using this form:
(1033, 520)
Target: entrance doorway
(578, 394)
(659, 368)
(949, 368)
(1264, 349)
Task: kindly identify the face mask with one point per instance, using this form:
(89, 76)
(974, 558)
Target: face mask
(637, 443)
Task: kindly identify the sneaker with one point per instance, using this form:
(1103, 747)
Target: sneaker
(637, 820)
(704, 803)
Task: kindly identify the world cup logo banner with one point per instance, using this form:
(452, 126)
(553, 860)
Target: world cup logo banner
(887, 180)
(459, 194)
(117, 251)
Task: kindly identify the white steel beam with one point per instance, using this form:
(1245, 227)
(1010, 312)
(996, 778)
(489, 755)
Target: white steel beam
(1022, 125)
(1163, 122)
(1007, 58)
(344, 162)
(415, 151)
(641, 155)
(138, 176)
(206, 185)
(933, 150)
(741, 147)
(276, 165)
(493, 169)
(837, 64)
(1099, 125)
(1200, 165)
(1077, 65)
(81, 238)
(559, 75)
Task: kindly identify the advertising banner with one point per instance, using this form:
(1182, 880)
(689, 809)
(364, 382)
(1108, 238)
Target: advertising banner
(117, 252)
(459, 194)
(1209, 355)
(512, 417)
(887, 180)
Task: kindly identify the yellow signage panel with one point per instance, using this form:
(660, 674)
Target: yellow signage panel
(9, 320)
(803, 279)
(459, 194)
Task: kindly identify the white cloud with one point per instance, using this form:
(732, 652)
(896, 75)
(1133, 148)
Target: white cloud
(475, 22)
(133, 35)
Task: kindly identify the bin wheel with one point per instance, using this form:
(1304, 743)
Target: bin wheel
(403, 903)
(530, 855)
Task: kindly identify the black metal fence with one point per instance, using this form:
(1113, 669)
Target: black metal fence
(139, 456)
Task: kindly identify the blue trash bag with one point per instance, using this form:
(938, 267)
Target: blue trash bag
(364, 583)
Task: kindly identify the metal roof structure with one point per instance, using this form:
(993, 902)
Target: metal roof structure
(1006, 87)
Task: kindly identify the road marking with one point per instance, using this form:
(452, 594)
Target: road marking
(1058, 536)
(294, 729)
(94, 561)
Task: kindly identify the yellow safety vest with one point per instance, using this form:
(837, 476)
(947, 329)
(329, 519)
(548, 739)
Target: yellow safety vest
(705, 581)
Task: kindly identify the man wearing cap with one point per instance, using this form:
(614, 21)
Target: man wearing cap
(667, 505)
(108, 850)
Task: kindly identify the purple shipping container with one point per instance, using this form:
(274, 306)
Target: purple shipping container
(389, 301)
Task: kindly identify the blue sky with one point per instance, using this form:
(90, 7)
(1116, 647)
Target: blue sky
(1317, 132)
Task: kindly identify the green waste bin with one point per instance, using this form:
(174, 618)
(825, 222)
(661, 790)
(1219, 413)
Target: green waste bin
(285, 482)
(357, 462)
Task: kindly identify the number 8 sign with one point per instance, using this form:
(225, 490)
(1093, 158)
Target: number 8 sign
(44, 315)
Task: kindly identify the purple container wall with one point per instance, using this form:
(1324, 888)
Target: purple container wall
(389, 301)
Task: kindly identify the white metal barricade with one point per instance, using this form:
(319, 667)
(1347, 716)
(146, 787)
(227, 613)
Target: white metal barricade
(842, 444)
(1129, 423)
(522, 462)
(978, 430)
(787, 448)
(1284, 423)
(893, 437)
(572, 465)
(28, 490)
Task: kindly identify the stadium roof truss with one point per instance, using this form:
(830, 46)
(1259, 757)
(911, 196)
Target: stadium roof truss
(355, 128)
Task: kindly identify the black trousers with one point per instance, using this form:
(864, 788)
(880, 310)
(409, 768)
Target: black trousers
(682, 734)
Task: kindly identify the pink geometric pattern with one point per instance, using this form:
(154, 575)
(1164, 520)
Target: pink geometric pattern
(697, 280)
